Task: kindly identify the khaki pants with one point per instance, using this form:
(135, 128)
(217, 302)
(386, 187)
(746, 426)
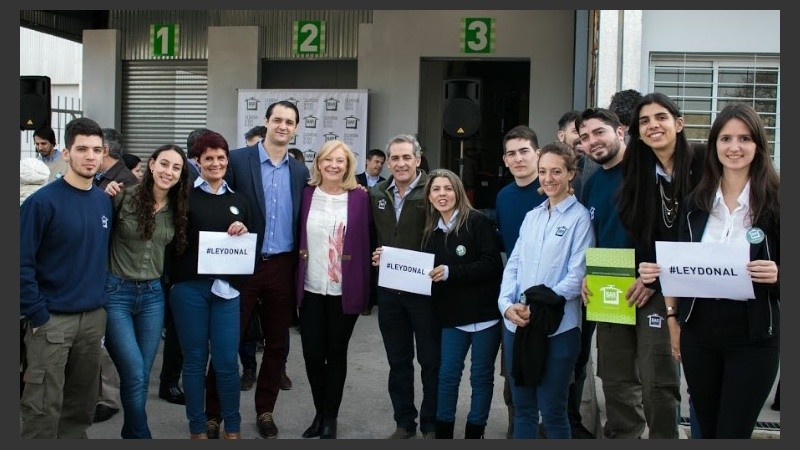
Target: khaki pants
(61, 380)
(641, 380)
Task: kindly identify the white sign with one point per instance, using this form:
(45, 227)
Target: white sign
(222, 254)
(705, 270)
(405, 270)
(324, 115)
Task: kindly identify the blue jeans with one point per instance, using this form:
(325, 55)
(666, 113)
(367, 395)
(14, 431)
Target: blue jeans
(550, 397)
(455, 344)
(133, 332)
(202, 318)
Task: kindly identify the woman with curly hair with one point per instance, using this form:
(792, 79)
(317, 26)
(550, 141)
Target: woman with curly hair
(147, 217)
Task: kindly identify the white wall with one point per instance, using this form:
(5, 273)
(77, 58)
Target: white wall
(735, 31)
(102, 77)
(233, 63)
(389, 52)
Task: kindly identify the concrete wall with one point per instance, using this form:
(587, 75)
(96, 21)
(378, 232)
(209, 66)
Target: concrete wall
(233, 63)
(102, 77)
(389, 52)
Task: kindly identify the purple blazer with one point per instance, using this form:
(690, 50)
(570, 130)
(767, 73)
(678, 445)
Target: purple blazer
(356, 255)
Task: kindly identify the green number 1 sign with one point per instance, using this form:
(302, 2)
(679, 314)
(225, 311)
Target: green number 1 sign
(308, 37)
(164, 39)
(477, 34)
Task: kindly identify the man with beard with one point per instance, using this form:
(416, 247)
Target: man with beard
(603, 137)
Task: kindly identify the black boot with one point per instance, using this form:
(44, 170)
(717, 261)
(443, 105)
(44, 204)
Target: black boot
(444, 430)
(328, 430)
(473, 431)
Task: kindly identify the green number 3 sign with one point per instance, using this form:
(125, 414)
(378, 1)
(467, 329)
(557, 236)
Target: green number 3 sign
(477, 34)
(308, 37)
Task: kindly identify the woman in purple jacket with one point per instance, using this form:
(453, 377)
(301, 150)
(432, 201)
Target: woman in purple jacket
(332, 281)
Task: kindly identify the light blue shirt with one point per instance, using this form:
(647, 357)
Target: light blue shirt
(550, 250)
(52, 158)
(398, 201)
(220, 288)
(276, 179)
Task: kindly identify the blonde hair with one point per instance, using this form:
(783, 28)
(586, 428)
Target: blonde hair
(349, 180)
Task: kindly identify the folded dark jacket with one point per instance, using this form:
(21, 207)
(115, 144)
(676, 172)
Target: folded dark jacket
(530, 342)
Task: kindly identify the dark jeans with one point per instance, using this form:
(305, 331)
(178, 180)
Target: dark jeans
(405, 318)
(576, 388)
(325, 332)
(728, 375)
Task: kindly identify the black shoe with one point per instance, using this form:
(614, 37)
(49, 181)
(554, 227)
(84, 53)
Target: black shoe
(328, 429)
(315, 429)
(248, 379)
(580, 432)
(266, 426)
(367, 311)
(172, 394)
(103, 413)
(776, 405)
(286, 383)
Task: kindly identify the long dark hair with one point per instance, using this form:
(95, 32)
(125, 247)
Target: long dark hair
(178, 195)
(638, 209)
(432, 215)
(765, 184)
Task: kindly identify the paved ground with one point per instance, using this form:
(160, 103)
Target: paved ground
(366, 411)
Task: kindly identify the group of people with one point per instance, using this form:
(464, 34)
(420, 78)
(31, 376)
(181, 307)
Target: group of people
(320, 235)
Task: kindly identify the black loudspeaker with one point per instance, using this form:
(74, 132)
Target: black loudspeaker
(462, 107)
(34, 102)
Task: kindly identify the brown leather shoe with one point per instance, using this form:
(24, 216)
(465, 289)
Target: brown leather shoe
(198, 436)
(266, 426)
(232, 435)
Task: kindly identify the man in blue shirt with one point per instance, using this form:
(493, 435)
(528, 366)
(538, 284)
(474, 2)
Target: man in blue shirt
(45, 141)
(64, 233)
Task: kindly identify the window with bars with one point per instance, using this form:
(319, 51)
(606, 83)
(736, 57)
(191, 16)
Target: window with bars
(702, 85)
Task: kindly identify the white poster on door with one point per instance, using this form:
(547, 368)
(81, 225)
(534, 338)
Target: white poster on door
(325, 114)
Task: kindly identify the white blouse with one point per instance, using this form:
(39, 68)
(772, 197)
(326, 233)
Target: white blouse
(325, 230)
(729, 226)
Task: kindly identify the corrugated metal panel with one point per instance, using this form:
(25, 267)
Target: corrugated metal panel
(341, 31)
(135, 29)
(162, 102)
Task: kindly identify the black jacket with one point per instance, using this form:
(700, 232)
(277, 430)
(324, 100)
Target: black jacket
(530, 342)
(763, 312)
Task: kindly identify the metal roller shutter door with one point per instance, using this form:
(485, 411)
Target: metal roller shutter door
(162, 102)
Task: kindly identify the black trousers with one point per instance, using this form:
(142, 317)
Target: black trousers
(172, 356)
(576, 387)
(325, 333)
(729, 375)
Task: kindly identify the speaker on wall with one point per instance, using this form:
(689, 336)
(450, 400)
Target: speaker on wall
(34, 102)
(462, 107)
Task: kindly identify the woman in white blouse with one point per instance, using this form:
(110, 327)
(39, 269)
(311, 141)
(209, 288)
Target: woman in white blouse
(332, 281)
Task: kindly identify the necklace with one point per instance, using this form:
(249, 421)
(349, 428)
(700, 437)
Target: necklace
(669, 207)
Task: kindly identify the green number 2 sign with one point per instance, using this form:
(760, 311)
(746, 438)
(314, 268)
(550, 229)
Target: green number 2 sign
(164, 39)
(477, 34)
(308, 37)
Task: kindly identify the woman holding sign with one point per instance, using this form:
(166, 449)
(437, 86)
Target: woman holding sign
(147, 217)
(730, 349)
(466, 281)
(205, 306)
(332, 279)
(548, 259)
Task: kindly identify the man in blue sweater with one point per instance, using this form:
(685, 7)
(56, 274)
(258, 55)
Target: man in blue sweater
(64, 234)
(520, 155)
